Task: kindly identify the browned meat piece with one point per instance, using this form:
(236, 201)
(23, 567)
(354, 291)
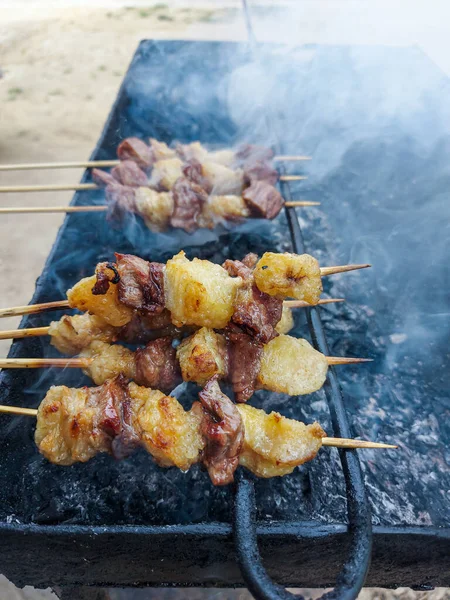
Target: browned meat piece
(141, 283)
(144, 328)
(113, 415)
(250, 260)
(260, 171)
(136, 150)
(188, 200)
(193, 171)
(255, 313)
(102, 178)
(223, 432)
(157, 365)
(105, 274)
(263, 200)
(128, 173)
(244, 356)
(121, 201)
(249, 153)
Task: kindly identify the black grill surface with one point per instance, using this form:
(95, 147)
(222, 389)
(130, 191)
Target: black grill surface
(377, 123)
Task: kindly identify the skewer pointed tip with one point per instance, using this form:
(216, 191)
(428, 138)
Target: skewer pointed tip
(349, 443)
(341, 269)
(341, 360)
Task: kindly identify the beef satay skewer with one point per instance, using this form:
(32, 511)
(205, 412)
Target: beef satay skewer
(41, 331)
(100, 164)
(347, 443)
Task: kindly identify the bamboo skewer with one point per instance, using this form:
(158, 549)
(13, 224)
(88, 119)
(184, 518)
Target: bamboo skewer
(74, 363)
(326, 441)
(29, 309)
(80, 187)
(38, 331)
(88, 164)
(325, 271)
(103, 208)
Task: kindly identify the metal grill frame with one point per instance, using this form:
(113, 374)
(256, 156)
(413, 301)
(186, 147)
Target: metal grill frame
(186, 555)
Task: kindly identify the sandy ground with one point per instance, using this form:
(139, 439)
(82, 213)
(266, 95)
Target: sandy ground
(62, 64)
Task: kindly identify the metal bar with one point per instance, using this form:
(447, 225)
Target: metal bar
(354, 571)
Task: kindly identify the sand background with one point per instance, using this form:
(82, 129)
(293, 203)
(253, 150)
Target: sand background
(62, 63)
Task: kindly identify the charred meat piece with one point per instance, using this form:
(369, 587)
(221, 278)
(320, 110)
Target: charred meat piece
(223, 433)
(250, 260)
(255, 313)
(260, 171)
(244, 359)
(134, 149)
(103, 178)
(193, 171)
(141, 283)
(121, 201)
(128, 173)
(263, 200)
(146, 327)
(188, 200)
(113, 416)
(105, 274)
(157, 365)
(249, 153)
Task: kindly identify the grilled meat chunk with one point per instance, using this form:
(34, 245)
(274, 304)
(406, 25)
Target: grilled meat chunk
(244, 360)
(222, 180)
(199, 292)
(289, 276)
(249, 153)
(72, 333)
(108, 360)
(168, 432)
(134, 149)
(193, 171)
(291, 366)
(275, 445)
(263, 200)
(160, 150)
(154, 207)
(223, 433)
(203, 355)
(255, 312)
(262, 172)
(188, 201)
(141, 284)
(121, 200)
(157, 366)
(128, 173)
(145, 327)
(102, 178)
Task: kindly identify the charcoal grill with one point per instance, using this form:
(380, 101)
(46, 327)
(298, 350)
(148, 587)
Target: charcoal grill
(132, 524)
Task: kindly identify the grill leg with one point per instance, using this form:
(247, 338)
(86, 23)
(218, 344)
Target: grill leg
(81, 593)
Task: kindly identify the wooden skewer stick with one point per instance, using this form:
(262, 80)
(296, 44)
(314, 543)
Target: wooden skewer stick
(9, 210)
(88, 164)
(324, 271)
(38, 363)
(341, 360)
(326, 441)
(29, 309)
(37, 331)
(74, 363)
(80, 187)
(349, 443)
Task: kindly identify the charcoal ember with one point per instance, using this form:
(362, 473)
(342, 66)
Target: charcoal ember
(134, 149)
(263, 200)
(244, 356)
(129, 173)
(157, 366)
(141, 284)
(223, 431)
(188, 199)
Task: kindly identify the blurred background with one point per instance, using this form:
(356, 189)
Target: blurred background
(61, 65)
